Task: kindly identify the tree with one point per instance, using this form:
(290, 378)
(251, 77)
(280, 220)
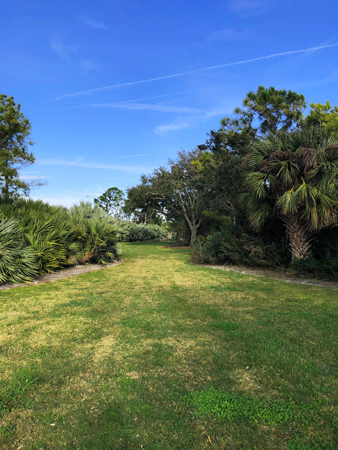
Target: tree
(267, 110)
(276, 109)
(141, 205)
(181, 191)
(294, 176)
(111, 201)
(14, 142)
(323, 116)
(221, 165)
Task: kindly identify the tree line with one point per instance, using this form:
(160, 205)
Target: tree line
(261, 190)
(268, 175)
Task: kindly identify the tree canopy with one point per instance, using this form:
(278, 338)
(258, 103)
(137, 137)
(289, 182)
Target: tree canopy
(323, 116)
(14, 148)
(111, 201)
(270, 171)
(294, 176)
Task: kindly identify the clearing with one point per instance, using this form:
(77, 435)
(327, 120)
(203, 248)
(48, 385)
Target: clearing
(157, 353)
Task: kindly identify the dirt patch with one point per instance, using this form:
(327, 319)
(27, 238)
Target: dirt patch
(245, 380)
(135, 375)
(65, 273)
(271, 274)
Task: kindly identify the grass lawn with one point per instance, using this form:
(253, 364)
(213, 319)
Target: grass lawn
(160, 354)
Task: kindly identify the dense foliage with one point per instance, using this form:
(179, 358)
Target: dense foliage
(17, 259)
(94, 232)
(232, 245)
(36, 238)
(262, 190)
(141, 232)
(294, 176)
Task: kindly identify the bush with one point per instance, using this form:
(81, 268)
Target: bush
(322, 261)
(231, 246)
(95, 233)
(17, 260)
(46, 230)
(50, 238)
(132, 232)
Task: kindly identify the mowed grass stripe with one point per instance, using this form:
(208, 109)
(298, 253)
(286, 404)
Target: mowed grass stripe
(159, 354)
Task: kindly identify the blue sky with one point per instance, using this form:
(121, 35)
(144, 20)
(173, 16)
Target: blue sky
(56, 56)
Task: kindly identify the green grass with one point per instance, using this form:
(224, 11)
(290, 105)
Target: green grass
(159, 354)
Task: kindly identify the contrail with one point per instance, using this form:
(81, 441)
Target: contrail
(144, 98)
(135, 99)
(181, 74)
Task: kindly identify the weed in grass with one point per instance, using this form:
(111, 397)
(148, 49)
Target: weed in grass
(233, 407)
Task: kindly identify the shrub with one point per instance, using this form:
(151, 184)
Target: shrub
(232, 246)
(17, 260)
(46, 229)
(322, 262)
(132, 232)
(95, 233)
(37, 238)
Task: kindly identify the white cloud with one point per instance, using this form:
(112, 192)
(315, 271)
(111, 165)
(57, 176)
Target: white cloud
(93, 24)
(91, 165)
(191, 122)
(65, 51)
(248, 7)
(173, 126)
(66, 201)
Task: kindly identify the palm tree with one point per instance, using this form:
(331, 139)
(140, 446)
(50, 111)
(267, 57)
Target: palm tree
(294, 176)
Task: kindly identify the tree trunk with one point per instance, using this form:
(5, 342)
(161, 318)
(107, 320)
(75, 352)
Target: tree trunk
(298, 238)
(193, 232)
(5, 189)
(193, 235)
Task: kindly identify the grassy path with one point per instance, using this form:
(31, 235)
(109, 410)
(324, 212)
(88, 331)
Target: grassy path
(160, 354)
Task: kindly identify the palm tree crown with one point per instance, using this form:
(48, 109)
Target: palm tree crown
(294, 175)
